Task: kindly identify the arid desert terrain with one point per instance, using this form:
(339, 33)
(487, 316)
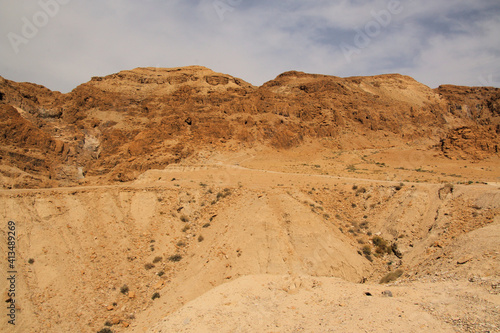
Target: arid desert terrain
(184, 200)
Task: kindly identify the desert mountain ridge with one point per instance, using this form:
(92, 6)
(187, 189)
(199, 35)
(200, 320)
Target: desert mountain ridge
(113, 128)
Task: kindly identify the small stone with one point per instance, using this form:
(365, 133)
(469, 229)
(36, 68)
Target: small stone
(125, 324)
(464, 259)
(110, 308)
(131, 294)
(115, 321)
(387, 293)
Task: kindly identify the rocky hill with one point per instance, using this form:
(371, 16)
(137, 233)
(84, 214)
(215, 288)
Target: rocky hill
(114, 128)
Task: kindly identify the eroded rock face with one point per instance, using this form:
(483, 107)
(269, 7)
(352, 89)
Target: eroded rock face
(125, 123)
(470, 142)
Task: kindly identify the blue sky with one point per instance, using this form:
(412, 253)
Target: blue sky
(63, 43)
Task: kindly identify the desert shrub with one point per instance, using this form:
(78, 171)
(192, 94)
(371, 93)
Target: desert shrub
(354, 187)
(369, 257)
(105, 330)
(108, 323)
(181, 244)
(155, 296)
(148, 266)
(392, 276)
(175, 258)
(161, 273)
(367, 250)
(31, 261)
(157, 259)
(206, 225)
(221, 195)
(184, 218)
(200, 238)
(186, 228)
(360, 191)
(381, 245)
(124, 289)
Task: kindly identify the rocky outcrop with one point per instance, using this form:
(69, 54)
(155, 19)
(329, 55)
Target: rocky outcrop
(117, 126)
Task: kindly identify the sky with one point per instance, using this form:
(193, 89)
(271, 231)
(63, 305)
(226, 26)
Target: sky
(63, 43)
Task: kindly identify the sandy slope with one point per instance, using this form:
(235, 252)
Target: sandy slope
(267, 235)
(266, 303)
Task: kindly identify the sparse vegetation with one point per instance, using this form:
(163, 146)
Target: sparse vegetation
(221, 195)
(206, 225)
(105, 330)
(393, 276)
(124, 289)
(155, 296)
(31, 261)
(360, 190)
(161, 273)
(351, 168)
(186, 228)
(367, 250)
(181, 244)
(157, 259)
(148, 266)
(200, 238)
(381, 245)
(175, 258)
(184, 218)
